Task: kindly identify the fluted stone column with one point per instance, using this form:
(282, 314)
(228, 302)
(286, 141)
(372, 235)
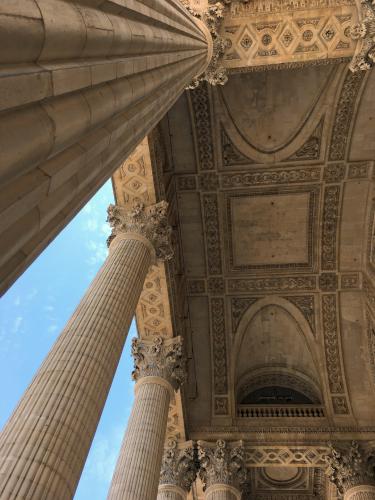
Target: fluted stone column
(159, 370)
(352, 469)
(178, 471)
(81, 83)
(222, 469)
(44, 445)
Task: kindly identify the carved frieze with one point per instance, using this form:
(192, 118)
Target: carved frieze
(272, 284)
(328, 282)
(334, 172)
(344, 115)
(333, 353)
(216, 286)
(331, 206)
(257, 456)
(269, 177)
(267, 34)
(358, 170)
(219, 347)
(200, 103)
(212, 233)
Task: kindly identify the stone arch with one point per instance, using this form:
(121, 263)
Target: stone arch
(296, 347)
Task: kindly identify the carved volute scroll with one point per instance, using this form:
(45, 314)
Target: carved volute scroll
(150, 222)
(222, 463)
(159, 358)
(350, 467)
(179, 466)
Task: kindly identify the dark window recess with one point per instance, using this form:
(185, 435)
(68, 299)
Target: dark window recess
(275, 395)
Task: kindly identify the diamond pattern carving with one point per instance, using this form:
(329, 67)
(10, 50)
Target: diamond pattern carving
(288, 39)
(302, 456)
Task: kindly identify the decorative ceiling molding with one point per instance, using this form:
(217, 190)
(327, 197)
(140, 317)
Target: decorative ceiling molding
(345, 110)
(266, 35)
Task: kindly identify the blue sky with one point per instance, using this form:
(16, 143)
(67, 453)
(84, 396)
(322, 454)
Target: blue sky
(34, 311)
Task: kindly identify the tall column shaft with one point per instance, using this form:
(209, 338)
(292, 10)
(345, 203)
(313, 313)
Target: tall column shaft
(171, 492)
(360, 492)
(138, 468)
(81, 81)
(222, 492)
(44, 445)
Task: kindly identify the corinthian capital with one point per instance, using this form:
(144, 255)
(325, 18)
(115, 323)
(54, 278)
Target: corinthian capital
(212, 17)
(364, 32)
(159, 358)
(150, 222)
(349, 467)
(179, 466)
(222, 463)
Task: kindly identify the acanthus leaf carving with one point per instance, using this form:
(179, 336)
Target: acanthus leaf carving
(215, 74)
(350, 467)
(364, 33)
(150, 222)
(179, 465)
(222, 463)
(159, 358)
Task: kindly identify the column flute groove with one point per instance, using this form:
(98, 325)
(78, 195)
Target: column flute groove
(98, 77)
(45, 442)
(159, 369)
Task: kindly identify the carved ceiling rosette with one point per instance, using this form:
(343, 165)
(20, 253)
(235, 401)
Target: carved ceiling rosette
(179, 466)
(150, 222)
(350, 467)
(222, 463)
(159, 358)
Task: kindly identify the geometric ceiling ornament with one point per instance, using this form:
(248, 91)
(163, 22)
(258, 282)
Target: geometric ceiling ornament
(277, 225)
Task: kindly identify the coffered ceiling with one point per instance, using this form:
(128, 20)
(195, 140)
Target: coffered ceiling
(270, 180)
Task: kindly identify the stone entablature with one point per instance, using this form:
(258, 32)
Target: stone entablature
(266, 35)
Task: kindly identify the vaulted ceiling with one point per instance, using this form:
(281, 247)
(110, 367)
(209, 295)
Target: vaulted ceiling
(270, 183)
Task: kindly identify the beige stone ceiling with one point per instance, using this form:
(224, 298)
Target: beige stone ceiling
(270, 185)
(271, 180)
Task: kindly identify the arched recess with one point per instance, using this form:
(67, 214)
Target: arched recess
(248, 128)
(274, 337)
